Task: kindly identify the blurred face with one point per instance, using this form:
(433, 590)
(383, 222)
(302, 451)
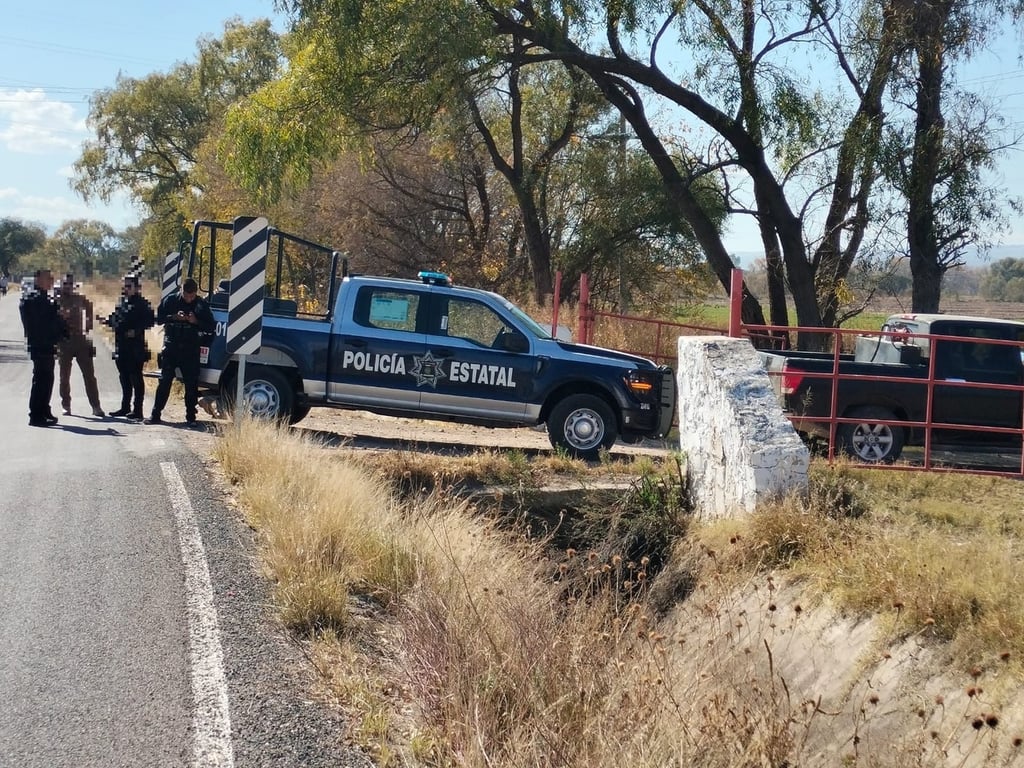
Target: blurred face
(67, 287)
(188, 296)
(129, 289)
(45, 280)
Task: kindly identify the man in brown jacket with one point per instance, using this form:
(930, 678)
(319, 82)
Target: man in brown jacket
(77, 312)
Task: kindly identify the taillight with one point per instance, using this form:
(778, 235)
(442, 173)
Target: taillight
(791, 381)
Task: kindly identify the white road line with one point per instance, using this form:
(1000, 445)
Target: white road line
(211, 720)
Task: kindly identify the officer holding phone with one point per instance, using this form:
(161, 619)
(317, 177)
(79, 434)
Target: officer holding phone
(186, 318)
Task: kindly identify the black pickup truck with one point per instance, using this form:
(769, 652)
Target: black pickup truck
(977, 365)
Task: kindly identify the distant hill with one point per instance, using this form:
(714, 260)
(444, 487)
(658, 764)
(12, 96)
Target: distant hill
(1014, 251)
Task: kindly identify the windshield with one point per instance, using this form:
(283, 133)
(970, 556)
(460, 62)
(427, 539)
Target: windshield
(532, 325)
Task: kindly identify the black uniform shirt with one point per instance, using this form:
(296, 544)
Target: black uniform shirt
(44, 327)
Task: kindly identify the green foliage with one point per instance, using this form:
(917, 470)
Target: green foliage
(17, 239)
(87, 248)
(148, 131)
(1004, 280)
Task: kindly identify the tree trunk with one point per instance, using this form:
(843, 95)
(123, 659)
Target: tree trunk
(927, 287)
(538, 249)
(925, 260)
(679, 192)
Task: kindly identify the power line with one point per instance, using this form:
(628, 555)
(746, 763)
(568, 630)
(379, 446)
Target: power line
(20, 42)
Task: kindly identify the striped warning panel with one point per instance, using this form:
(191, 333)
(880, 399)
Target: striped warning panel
(172, 268)
(248, 271)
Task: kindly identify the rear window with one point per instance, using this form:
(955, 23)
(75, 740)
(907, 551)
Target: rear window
(388, 309)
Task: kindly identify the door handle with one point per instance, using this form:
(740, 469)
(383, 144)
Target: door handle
(442, 352)
(354, 341)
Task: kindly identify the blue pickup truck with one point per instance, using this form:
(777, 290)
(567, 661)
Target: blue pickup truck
(422, 348)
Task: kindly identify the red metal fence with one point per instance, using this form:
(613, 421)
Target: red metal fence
(645, 336)
(664, 351)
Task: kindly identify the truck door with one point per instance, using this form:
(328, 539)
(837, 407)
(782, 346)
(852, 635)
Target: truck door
(978, 361)
(378, 358)
(487, 368)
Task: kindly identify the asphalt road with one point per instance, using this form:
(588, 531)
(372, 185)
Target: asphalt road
(135, 628)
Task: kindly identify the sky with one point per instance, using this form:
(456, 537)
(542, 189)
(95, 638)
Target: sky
(55, 53)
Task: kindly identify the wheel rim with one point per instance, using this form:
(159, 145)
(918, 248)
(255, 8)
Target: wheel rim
(872, 442)
(261, 399)
(584, 429)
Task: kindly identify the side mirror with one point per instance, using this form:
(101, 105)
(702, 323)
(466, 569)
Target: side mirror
(514, 341)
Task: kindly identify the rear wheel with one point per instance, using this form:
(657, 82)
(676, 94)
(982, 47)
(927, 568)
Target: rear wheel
(870, 441)
(267, 393)
(582, 425)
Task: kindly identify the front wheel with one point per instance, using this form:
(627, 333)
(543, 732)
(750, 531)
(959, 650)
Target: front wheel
(582, 425)
(267, 394)
(870, 441)
(299, 412)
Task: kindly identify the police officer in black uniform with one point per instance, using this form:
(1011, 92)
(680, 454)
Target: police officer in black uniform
(44, 327)
(186, 319)
(129, 320)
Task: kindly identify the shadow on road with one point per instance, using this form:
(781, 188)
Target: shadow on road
(105, 432)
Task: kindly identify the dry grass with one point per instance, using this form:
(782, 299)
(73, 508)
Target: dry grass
(456, 641)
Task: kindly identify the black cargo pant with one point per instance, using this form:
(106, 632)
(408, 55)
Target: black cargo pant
(184, 357)
(129, 372)
(39, 395)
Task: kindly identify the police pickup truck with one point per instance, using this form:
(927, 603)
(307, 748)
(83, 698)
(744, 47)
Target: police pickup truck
(428, 349)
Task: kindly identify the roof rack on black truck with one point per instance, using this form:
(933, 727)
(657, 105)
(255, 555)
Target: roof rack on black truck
(977, 400)
(421, 348)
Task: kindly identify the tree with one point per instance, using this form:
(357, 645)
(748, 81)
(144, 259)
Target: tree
(87, 248)
(410, 71)
(801, 157)
(17, 239)
(937, 162)
(149, 130)
(1004, 281)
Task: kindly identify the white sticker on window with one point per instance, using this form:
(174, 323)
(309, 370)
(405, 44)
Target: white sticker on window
(388, 309)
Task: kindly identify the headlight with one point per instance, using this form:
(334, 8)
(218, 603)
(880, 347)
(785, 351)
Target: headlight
(640, 382)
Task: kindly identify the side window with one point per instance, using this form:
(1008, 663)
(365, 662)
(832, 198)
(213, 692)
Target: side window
(472, 321)
(950, 359)
(387, 309)
(979, 360)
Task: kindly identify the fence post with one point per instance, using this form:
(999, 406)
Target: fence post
(736, 303)
(555, 301)
(584, 320)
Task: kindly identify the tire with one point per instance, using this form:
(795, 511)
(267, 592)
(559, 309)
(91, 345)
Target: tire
(299, 412)
(871, 442)
(267, 393)
(582, 425)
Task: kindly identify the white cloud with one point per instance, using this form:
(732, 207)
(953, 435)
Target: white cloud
(31, 123)
(51, 211)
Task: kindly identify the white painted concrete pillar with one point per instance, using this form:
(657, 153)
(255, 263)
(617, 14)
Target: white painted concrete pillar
(740, 448)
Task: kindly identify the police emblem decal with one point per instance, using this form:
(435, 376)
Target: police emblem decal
(427, 370)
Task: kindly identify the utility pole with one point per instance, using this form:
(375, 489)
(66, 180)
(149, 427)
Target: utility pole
(620, 174)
